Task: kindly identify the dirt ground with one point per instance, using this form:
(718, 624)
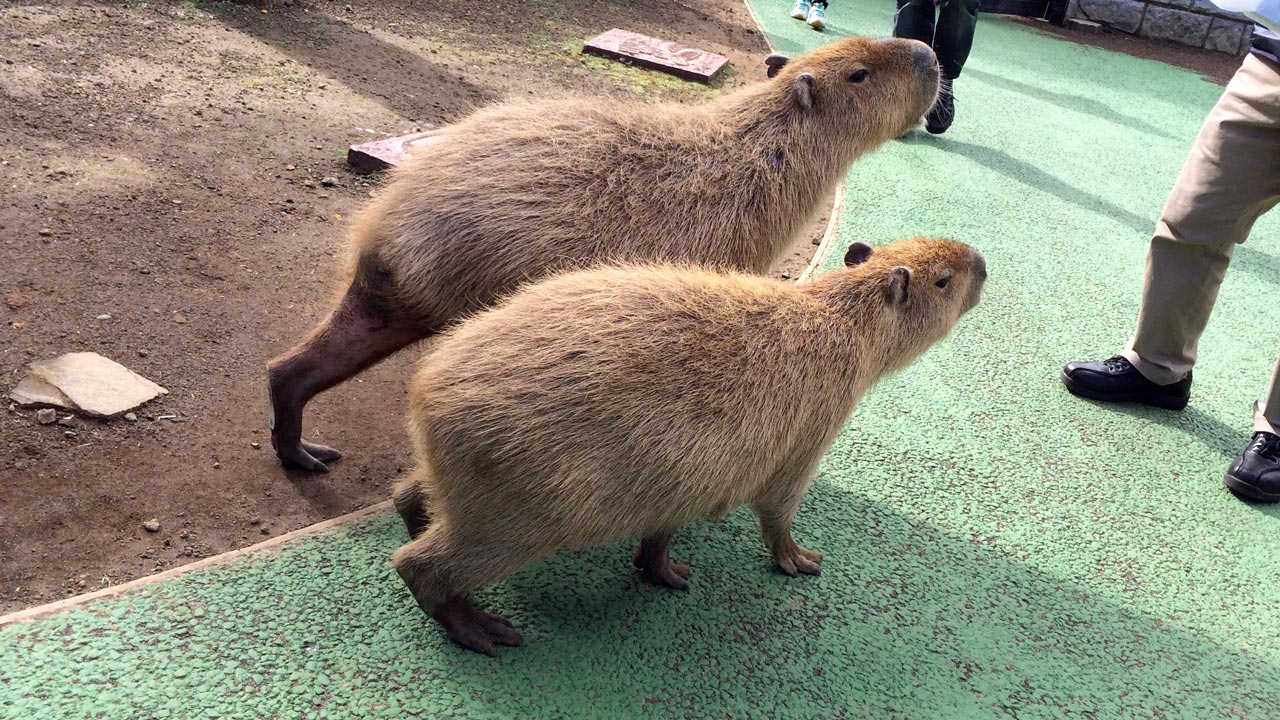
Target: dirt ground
(163, 166)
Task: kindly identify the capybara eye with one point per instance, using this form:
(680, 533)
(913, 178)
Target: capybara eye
(859, 75)
(943, 282)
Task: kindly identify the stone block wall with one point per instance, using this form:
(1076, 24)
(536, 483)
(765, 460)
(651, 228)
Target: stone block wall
(1198, 23)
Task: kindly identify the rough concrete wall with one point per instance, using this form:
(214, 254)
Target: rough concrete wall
(1198, 23)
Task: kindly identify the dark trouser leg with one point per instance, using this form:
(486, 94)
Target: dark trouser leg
(914, 19)
(953, 39)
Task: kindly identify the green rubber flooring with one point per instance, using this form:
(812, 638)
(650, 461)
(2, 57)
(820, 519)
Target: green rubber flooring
(994, 547)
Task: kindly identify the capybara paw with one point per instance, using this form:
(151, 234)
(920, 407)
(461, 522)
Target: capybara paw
(323, 453)
(663, 572)
(796, 560)
(297, 456)
(669, 574)
(481, 632)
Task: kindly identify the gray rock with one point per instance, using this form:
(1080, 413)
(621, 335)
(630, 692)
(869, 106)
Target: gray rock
(1225, 35)
(68, 421)
(328, 182)
(1125, 15)
(152, 525)
(1205, 6)
(86, 382)
(1176, 25)
(104, 316)
(47, 416)
(131, 417)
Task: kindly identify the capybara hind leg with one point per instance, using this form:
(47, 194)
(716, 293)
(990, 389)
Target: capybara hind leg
(411, 504)
(775, 516)
(439, 567)
(357, 334)
(652, 559)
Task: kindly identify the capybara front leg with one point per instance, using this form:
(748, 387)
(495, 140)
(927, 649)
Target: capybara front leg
(652, 559)
(356, 335)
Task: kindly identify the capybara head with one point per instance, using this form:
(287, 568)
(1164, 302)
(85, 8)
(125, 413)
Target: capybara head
(915, 290)
(891, 82)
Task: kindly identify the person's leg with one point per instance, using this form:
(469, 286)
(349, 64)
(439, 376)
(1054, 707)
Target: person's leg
(1231, 177)
(914, 19)
(1255, 472)
(953, 39)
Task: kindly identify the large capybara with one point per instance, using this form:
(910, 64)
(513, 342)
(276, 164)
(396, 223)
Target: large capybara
(524, 189)
(624, 402)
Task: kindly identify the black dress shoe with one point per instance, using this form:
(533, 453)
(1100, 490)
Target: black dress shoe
(1117, 380)
(1255, 473)
(941, 114)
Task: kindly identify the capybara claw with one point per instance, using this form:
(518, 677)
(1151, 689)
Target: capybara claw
(481, 631)
(323, 453)
(799, 560)
(298, 457)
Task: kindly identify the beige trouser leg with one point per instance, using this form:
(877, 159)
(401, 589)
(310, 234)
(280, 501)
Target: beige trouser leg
(1230, 179)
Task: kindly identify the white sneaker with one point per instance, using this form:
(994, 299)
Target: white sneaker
(801, 10)
(817, 18)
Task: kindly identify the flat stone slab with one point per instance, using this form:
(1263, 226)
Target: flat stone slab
(379, 155)
(86, 382)
(664, 55)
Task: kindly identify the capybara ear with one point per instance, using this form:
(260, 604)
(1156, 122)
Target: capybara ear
(804, 90)
(775, 62)
(899, 288)
(857, 254)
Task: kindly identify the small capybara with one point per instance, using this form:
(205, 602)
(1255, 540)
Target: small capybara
(626, 401)
(525, 189)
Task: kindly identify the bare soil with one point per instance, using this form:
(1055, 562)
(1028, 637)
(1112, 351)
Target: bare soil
(162, 164)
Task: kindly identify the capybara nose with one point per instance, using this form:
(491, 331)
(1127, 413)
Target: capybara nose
(925, 59)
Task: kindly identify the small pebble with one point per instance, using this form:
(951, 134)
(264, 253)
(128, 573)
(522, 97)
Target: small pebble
(265, 531)
(143, 353)
(152, 525)
(255, 445)
(255, 521)
(68, 421)
(328, 182)
(131, 417)
(45, 232)
(290, 167)
(47, 416)
(69, 434)
(104, 316)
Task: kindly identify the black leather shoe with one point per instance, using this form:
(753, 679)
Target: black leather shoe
(941, 114)
(1117, 380)
(1255, 473)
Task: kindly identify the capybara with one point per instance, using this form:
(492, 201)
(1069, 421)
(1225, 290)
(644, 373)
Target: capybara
(524, 189)
(626, 401)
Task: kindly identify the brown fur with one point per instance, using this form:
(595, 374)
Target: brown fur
(522, 190)
(627, 401)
